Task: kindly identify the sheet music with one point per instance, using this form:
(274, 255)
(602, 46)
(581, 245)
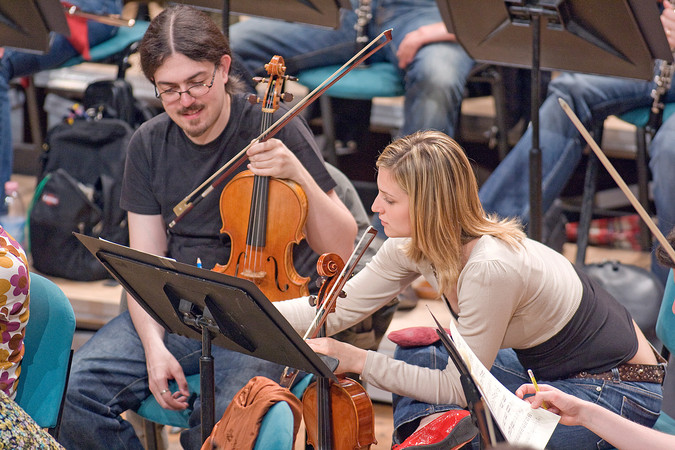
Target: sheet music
(518, 421)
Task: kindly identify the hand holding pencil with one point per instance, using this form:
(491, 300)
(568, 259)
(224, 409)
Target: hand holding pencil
(536, 386)
(566, 406)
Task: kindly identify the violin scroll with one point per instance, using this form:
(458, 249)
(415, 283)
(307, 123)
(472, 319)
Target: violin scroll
(275, 91)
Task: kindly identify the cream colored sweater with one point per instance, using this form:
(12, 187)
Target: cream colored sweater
(507, 298)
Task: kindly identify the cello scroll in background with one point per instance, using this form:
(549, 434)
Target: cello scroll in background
(262, 251)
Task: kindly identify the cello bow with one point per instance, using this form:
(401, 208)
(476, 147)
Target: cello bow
(618, 180)
(203, 190)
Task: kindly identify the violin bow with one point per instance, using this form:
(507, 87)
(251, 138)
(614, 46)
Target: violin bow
(108, 19)
(617, 178)
(192, 199)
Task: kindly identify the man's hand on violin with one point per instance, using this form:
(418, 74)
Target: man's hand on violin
(162, 367)
(351, 359)
(273, 159)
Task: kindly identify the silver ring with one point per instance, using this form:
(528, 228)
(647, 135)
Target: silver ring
(164, 391)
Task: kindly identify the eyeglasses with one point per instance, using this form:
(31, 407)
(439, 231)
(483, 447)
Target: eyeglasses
(194, 91)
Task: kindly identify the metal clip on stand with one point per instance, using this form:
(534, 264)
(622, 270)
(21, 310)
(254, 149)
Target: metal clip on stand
(205, 322)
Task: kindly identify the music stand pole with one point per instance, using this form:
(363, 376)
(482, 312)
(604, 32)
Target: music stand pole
(207, 386)
(535, 224)
(226, 19)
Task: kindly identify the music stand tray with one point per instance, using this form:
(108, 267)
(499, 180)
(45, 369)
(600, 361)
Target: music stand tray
(26, 24)
(208, 306)
(315, 12)
(248, 322)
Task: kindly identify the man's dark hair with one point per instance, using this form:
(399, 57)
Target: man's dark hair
(184, 30)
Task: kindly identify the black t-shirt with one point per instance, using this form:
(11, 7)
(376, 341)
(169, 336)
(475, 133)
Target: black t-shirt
(163, 166)
(599, 336)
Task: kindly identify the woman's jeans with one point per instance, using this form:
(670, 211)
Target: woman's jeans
(639, 402)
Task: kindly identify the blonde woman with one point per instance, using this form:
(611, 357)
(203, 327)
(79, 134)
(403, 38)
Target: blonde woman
(518, 304)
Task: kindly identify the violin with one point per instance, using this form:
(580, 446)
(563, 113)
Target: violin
(209, 185)
(345, 405)
(260, 252)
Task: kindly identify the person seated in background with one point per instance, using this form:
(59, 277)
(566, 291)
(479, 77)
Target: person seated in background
(433, 65)
(518, 303)
(593, 98)
(16, 63)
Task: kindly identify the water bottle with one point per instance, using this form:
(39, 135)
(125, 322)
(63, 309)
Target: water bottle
(13, 220)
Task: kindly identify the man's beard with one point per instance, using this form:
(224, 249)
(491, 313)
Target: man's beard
(192, 130)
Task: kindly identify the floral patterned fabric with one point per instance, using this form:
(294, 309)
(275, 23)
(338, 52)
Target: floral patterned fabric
(14, 300)
(18, 430)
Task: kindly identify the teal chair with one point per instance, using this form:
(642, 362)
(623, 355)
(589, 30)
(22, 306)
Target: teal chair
(276, 429)
(380, 79)
(117, 49)
(665, 330)
(46, 362)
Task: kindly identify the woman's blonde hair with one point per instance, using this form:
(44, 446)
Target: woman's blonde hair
(445, 211)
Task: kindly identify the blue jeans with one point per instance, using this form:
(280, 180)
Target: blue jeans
(434, 81)
(593, 98)
(639, 402)
(109, 376)
(18, 64)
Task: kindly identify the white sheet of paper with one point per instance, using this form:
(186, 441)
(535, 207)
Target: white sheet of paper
(518, 421)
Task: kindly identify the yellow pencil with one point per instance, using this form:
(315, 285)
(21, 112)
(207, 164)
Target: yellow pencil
(536, 386)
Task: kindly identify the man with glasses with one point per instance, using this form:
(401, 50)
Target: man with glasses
(206, 122)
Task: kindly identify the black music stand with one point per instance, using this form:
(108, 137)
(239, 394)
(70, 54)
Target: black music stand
(489, 429)
(26, 25)
(216, 308)
(592, 36)
(316, 12)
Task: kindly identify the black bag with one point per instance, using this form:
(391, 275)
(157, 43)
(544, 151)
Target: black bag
(637, 289)
(114, 99)
(61, 206)
(79, 191)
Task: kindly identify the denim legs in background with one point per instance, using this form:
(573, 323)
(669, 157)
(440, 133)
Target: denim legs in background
(593, 98)
(434, 81)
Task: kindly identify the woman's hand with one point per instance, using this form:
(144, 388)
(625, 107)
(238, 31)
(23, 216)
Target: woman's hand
(351, 359)
(570, 409)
